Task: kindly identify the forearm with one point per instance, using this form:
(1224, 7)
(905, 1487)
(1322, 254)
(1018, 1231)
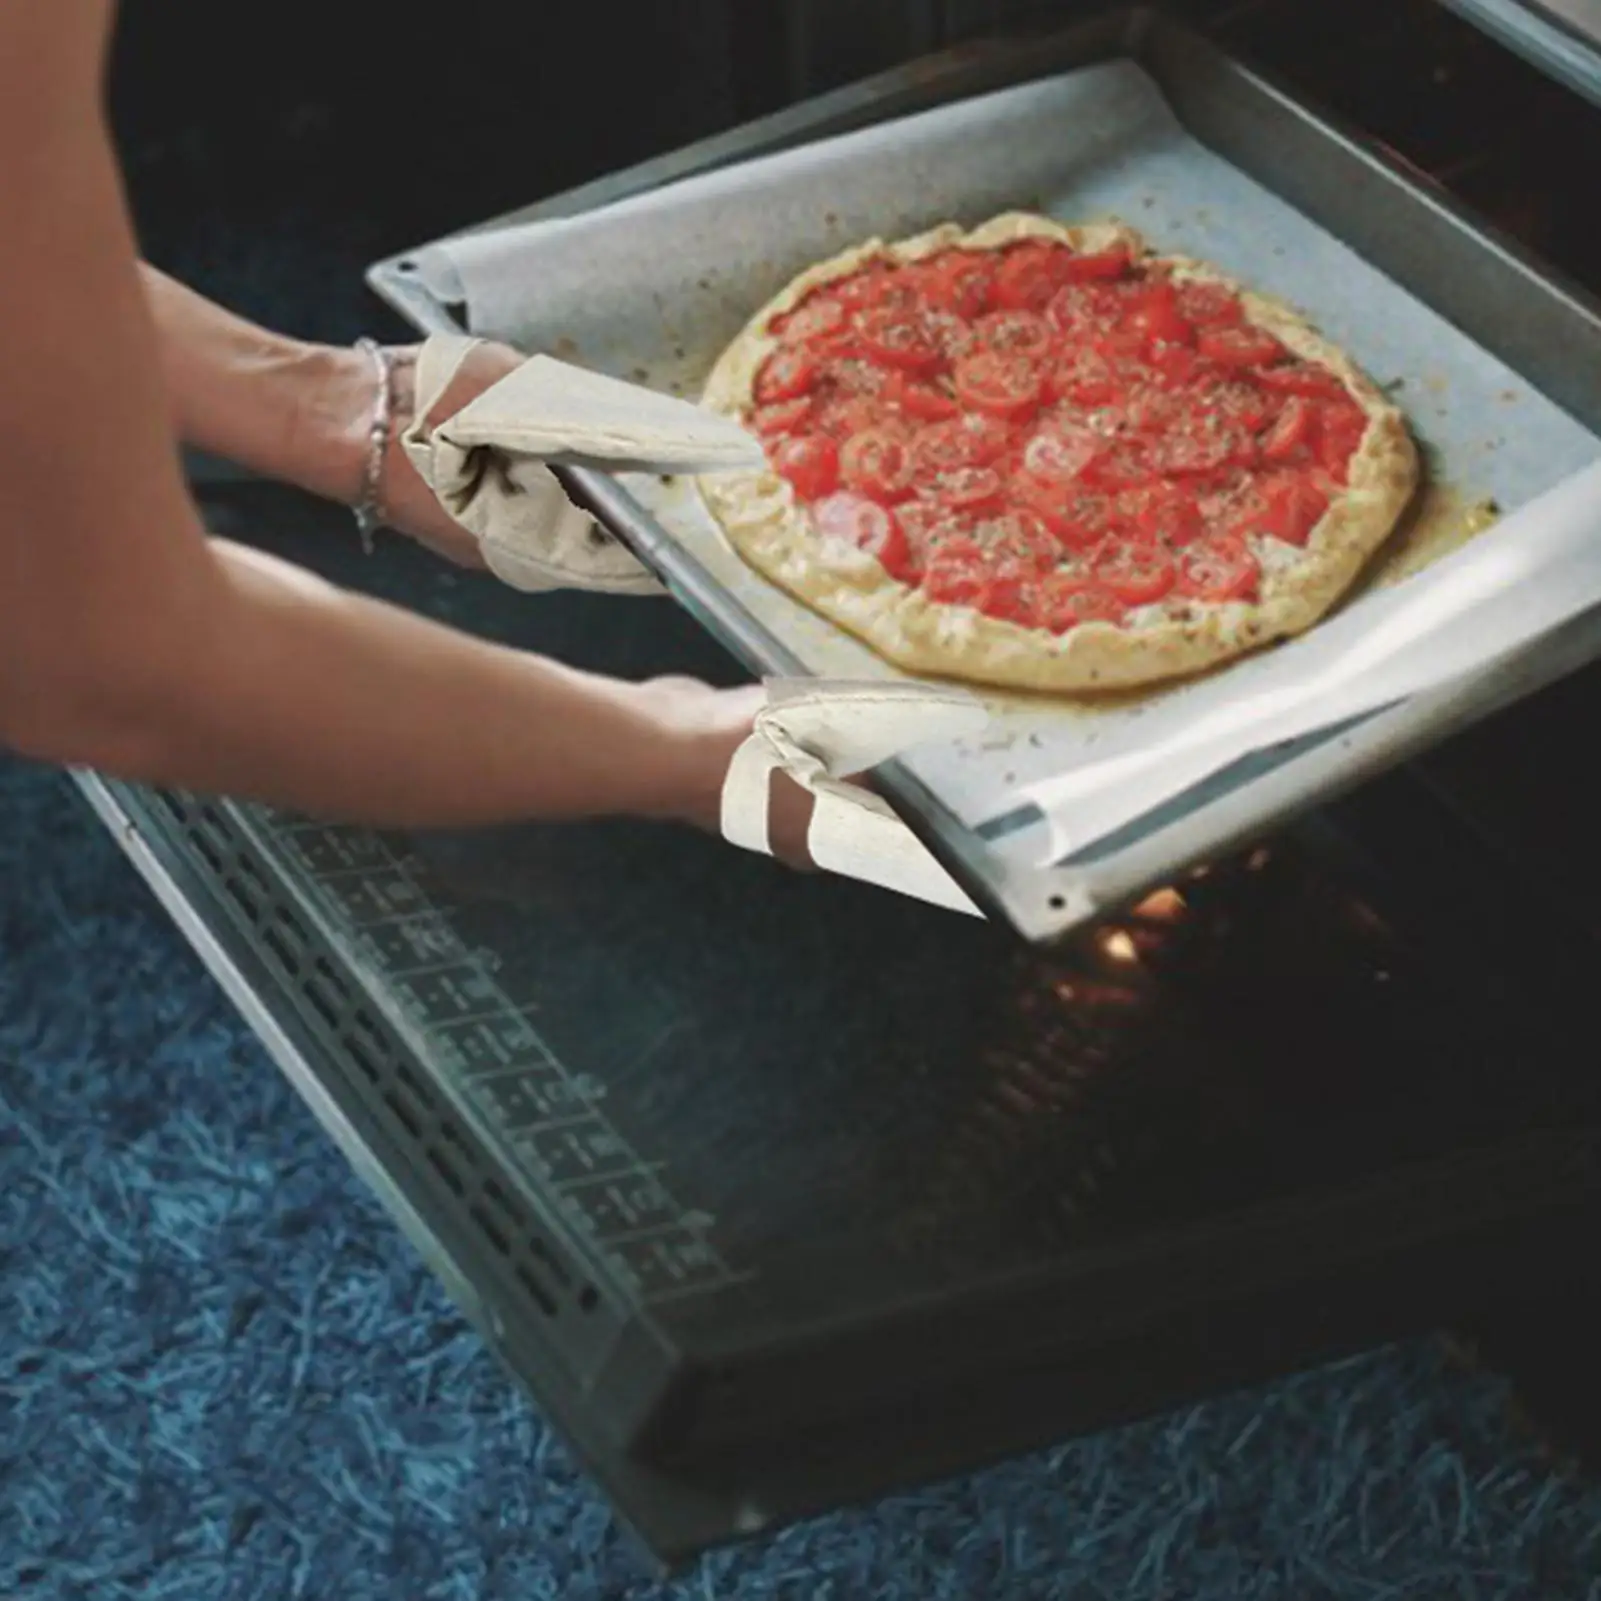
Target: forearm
(301, 695)
(283, 407)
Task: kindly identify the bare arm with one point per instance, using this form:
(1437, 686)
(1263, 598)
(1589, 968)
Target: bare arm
(287, 408)
(130, 642)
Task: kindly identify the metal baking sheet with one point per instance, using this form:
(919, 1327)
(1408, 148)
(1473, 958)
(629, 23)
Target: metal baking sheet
(654, 286)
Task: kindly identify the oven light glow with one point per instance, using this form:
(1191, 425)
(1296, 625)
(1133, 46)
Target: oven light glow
(1165, 906)
(1117, 945)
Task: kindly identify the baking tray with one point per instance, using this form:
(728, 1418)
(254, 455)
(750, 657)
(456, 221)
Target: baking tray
(1134, 115)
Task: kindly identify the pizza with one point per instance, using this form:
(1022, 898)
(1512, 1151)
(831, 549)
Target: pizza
(1044, 457)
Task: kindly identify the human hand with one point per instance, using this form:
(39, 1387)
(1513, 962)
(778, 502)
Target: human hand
(708, 725)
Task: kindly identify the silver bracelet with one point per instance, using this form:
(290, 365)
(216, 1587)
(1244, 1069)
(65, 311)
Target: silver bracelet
(369, 509)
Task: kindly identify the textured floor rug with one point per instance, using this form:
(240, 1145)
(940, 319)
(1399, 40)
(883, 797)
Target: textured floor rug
(224, 1374)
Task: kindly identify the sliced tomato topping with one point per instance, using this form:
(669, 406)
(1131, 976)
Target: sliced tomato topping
(1197, 446)
(877, 463)
(1065, 603)
(927, 402)
(785, 374)
(999, 383)
(1075, 518)
(896, 337)
(1341, 430)
(783, 416)
(1239, 347)
(1238, 400)
(869, 527)
(1217, 569)
(1154, 313)
(1015, 333)
(1292, 431)
(1209, 304)
(956, 573)
(1136, 571)
(959, 281)
(1030, 273)
(1060, 455)
(1285, 506)
(970, 441)
(810, 462)
(1021, 537)
(1078, 310)
(1088, 377)
(1160, 511)
(1124, 464)
(818, 320)
(877, 284)
(844, 415)
(1303, 378)
(1095, 266)
(1009, 597)
(968, 489)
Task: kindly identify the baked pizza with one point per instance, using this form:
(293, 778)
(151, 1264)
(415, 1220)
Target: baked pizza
(1043, 457)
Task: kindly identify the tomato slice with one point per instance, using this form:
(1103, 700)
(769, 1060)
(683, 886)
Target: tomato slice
(959, 281)
(786, 374)
(876, 284)
(844, 415)
(971, 441)
(1218, 569)
(957, 573)
(1303, 378)
(1240, 347)
(1096, 266)
(1341, 431)
(868, 526)
(1137, 572)
(1030, 273)
(1209, 304)
(1197, 446)
(1020, 537)
(810, 462)
(968, 489)
(1124, 464)
(783, 416)
(1087, 377)
(1009, 597)
(896, 337)
(877, 463)
(1015, 333)
(1001, 384)
(1286, 506)
(818, 320)
(1075, 518)
(1292, 432)
(1237, 400)
(1160, 511)
(924, 401)
(1066, 602)
(1060, 455)
(1154, 314)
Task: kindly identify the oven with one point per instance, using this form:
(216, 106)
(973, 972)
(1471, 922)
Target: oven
(780, 1193)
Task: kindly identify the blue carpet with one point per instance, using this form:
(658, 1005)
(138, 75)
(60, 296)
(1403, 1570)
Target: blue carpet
(224, 1374)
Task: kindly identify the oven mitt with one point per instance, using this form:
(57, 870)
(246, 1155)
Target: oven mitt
(487, 464)
(820, 732)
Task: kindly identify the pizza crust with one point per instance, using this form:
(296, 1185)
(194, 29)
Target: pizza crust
(775, 534)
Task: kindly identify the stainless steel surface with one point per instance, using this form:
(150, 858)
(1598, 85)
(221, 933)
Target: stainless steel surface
(1045, 903)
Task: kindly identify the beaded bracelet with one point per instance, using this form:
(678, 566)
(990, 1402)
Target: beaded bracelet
(369, 509)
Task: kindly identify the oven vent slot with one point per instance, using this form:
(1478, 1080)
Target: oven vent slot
(416, 1116)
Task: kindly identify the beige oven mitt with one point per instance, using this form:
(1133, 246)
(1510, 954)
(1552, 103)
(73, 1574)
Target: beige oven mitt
(487, 463)
(821, 732)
